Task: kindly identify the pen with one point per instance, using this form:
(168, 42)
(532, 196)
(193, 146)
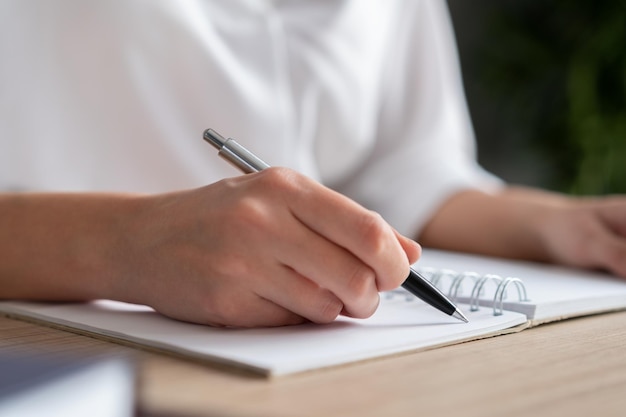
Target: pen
(247, 162)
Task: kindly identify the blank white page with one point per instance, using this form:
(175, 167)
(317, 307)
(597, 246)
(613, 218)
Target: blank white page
(397, 326)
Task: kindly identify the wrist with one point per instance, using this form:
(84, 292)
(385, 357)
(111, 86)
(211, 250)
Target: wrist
(117, 265)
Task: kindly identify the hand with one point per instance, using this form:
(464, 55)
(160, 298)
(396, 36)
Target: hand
(264, 249)
(588, 233)
(533, 224)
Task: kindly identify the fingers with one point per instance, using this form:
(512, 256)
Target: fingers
(342, 221)
(610, 253)
(367, 236)
(589, 236)
(607, 237)
(302, 296)
(612, 212)
(338, 244)
(250, 311)
(326, 265)
(282, 297)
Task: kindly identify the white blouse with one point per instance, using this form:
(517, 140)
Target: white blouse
(364, 96)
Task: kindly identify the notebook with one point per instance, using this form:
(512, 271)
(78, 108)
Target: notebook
(542, 292)
(401, 324)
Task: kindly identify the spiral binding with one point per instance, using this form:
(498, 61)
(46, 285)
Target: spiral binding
(439, 276)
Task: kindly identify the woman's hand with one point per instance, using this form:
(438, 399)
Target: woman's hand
(588, 233)
(265, 249)
(533, 224)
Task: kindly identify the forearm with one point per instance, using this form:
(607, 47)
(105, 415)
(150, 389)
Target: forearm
(508, 224)
(59, 246)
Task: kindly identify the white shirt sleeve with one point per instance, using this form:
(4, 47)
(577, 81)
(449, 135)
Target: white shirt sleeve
(426, 147)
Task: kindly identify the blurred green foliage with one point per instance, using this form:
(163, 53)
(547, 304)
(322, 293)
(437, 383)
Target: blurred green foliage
(559, 67)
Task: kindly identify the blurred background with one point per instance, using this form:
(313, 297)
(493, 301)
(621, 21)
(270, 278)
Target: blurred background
(546, 86)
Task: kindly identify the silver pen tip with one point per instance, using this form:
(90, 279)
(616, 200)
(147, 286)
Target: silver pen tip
(214, 138)
(459, 315)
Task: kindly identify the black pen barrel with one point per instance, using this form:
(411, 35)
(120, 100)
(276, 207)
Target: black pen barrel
(426, 291)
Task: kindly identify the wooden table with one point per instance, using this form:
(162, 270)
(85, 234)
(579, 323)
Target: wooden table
(572, 368)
